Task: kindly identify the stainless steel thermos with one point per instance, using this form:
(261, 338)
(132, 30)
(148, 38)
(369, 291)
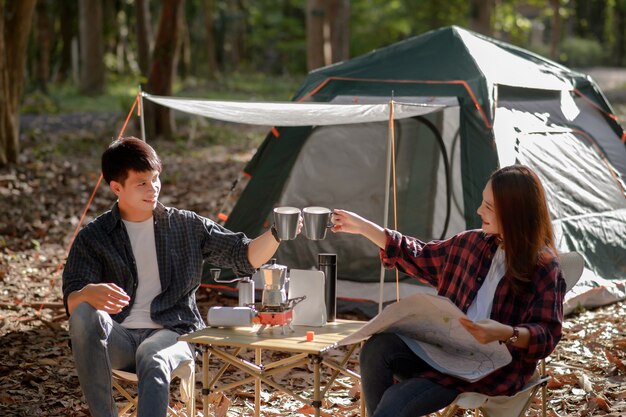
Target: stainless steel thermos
(327, 263)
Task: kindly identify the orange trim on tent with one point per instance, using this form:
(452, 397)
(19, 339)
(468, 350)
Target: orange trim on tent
(458, 82)
(593, 104)
(358, 300)
(246, 174)
(624, 137)
(275, 132)
(222, 217)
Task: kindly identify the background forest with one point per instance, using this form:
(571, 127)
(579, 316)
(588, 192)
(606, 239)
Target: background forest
(69, 74)
(57, 54)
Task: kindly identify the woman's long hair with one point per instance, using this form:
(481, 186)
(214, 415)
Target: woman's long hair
(525, 226)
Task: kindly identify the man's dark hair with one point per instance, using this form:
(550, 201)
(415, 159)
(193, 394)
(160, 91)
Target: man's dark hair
(126, 154)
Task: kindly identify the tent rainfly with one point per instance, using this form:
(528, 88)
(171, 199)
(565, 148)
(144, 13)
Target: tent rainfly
(464, 105)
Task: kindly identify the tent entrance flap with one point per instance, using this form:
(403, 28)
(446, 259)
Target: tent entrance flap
(344, 167)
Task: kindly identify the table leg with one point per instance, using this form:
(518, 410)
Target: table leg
(317, 398)
(257, 385)
(363, 412)
(205, 381)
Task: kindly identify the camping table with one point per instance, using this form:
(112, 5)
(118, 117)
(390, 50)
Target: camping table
(216, 341)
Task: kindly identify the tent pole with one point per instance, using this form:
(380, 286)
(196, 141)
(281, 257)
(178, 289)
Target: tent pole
(386, 208)
(142, 121)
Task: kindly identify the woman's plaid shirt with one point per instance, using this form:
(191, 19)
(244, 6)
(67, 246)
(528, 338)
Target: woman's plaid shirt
(456, 267)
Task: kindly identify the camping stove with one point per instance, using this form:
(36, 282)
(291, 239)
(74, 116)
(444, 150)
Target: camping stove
(275, 309)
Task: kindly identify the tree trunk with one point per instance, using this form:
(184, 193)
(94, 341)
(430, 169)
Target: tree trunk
(184, 50)
(339, 23)
(212, 69)
(480, 16)
(43, 35)
(66, 13)
(555, 35)
(92, 71)
(159, 120)
(235, 32)
(620, 32)
(144, 35)
(315, 18)
(15, 23)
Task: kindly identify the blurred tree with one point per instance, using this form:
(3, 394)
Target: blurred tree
(328, 32)
(481, 12)
(620, 33)
(43, 35)
(555, 35)
(159, 120)
(66, 14)
(92, 69)
(339, 23)
(212, 69)
(315, 17)
(144, 35)
(15, 23)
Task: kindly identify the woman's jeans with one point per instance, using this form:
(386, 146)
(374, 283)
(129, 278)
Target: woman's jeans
(384, 359)
(99, 344)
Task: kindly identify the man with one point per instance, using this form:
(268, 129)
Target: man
(130, 279)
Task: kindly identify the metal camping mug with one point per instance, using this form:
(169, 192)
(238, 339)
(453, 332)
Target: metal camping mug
(316, 222)
(286, 221)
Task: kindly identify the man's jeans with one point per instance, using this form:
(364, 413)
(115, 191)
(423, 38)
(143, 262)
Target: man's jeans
(99, 344)
(384, 359)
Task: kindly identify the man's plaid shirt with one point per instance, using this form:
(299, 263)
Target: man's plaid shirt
(456, 267)
(102, 253)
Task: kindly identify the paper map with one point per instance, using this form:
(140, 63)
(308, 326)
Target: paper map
(430, 327)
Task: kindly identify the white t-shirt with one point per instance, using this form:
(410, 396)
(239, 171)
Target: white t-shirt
(481, 307)
(141, 236)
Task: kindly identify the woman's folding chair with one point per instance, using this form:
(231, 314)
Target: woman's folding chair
(186, 372)
(572, 264)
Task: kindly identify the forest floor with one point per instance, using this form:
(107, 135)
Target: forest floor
(42, 200)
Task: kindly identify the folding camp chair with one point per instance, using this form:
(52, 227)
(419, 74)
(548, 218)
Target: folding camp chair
(186, 372)
(572, 264)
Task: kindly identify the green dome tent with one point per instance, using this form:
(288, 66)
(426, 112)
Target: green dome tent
(486, 104)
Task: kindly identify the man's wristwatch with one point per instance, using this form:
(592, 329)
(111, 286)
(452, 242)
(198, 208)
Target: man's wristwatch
(513, 338)
(275, 233)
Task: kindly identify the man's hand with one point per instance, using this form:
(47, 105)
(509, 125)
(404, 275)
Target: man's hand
(106, 297)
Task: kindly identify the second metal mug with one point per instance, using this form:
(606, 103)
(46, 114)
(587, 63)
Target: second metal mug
(316, 222)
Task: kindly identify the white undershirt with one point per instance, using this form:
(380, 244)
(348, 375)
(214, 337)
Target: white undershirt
(141, 236)
(481, 307)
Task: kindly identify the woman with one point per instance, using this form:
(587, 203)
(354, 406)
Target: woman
(505, 277)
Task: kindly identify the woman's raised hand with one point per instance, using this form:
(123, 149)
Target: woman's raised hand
(347, 222)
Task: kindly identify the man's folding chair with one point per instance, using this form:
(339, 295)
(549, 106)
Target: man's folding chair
(572, 264)
(186, 372)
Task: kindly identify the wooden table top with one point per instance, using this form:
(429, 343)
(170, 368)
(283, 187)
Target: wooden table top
(325, 337)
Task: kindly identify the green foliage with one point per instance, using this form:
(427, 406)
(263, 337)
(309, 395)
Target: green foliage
(241, 86)
(511, 24)
(378, 23)
(37, 102)
(580, 52)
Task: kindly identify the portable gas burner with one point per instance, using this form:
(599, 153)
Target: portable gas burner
(275, 309)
